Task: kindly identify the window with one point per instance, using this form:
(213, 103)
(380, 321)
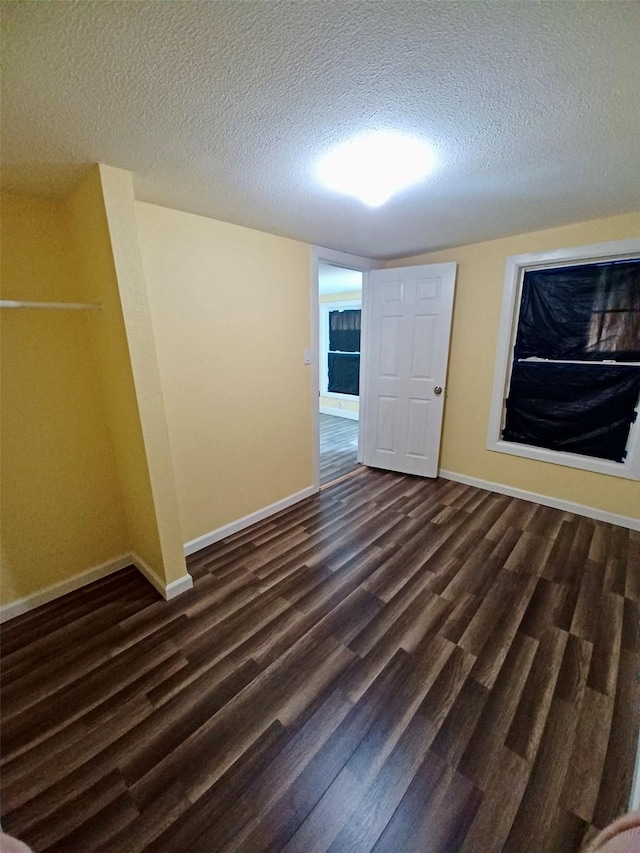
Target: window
(340, 350)
(567, 383)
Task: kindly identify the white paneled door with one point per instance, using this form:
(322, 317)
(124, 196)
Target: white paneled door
(407, 312)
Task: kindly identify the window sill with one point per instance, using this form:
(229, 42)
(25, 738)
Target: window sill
(570, 460)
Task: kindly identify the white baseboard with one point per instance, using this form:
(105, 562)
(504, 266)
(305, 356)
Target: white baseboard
(339, 413)
(236, 526)
(167, 591)
(43, 596)
(556, 503)
(176, 588)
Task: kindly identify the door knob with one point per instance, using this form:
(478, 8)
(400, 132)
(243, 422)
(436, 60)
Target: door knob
(437, 390)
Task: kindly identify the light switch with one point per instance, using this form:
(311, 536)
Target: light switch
(307, 356)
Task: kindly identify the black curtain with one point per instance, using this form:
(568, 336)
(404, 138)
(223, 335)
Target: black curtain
(572, 407)
(344, 330)
(583, 313)
(344, 373)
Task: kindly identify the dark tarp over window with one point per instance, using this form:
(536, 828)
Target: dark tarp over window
(585, 313)
(572, 407)
(344, 330)
(582, 313)
(344, 373)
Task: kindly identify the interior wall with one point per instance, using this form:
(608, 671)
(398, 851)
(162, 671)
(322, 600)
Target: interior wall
(60, 499)
(119, 202)
(351, 296)
(107, 253)
(476, 320)
(332, 402)
(231, 317)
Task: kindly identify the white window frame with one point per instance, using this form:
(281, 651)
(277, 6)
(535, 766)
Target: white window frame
(325, 309)
(516, 266)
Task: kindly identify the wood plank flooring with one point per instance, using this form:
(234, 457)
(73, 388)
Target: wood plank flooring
(394, 665)
(338, 447)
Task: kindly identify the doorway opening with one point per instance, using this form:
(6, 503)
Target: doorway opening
(339, 279)
(340, 315)
(405, 323)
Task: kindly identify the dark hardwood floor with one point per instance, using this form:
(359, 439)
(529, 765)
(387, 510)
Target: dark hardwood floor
(338, 447)
(394, 665)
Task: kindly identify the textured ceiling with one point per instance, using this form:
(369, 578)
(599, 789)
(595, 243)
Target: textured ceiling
(222, 108)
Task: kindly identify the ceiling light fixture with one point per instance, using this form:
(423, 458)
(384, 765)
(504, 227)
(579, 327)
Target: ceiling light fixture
(375, 166)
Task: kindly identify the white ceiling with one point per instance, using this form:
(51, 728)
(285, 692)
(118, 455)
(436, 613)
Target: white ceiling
(332, 279)
(222, 108)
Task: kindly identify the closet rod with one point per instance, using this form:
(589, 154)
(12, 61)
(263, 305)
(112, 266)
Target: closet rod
(56, 306)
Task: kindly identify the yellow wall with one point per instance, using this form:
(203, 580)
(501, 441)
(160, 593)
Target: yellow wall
(60, 499)
(231, 317)
(473, 350)
(117, 188)
(332, 402)
(108, 256)
(351, 296)
(210, 346)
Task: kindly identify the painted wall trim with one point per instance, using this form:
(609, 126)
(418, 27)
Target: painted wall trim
(339, 413)
(167, 591)
(57, 590)
(207, 539)
(177, 587)
(43, 596)
(545, 500)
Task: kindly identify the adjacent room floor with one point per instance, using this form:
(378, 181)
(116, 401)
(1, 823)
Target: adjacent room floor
(338, 447)
(396, 664)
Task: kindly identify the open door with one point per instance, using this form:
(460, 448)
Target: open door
(407, 312)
